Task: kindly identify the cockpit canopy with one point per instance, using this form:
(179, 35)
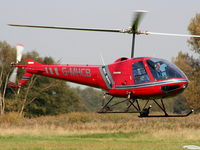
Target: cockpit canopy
(159, 68)
(163, 69)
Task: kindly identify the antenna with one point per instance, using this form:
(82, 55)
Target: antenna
(102, 60)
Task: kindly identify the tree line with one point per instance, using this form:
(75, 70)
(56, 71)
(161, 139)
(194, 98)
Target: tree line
(41, 96)
(190, 64)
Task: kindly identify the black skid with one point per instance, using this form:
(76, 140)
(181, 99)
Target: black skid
(185, 115)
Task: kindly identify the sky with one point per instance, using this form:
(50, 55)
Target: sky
(78, 47)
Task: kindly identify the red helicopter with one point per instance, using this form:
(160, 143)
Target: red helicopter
(135, 79)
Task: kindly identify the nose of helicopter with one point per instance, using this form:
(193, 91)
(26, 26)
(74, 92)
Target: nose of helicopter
(172, 79)
(177, 87)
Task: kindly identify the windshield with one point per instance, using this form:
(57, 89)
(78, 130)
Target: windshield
(163, 69)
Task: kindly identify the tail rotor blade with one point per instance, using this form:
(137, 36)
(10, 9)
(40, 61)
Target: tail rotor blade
(20, 49)
(13, 76)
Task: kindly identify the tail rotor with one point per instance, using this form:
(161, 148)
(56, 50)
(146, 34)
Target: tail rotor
(13, 76)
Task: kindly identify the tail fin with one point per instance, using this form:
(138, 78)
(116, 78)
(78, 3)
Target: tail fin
(27, 75)
(25, 78)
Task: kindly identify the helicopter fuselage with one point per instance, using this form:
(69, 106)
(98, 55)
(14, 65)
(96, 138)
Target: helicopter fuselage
(134, 78)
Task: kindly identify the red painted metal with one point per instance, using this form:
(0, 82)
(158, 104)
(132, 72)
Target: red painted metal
(116, 79)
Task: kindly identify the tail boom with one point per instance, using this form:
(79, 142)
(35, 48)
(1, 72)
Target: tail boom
(87, 75)
(81, 74)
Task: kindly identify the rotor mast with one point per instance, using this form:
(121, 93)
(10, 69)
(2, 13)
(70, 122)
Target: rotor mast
(133, 46)
(134, 28)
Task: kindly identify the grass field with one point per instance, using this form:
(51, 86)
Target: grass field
(89, 131)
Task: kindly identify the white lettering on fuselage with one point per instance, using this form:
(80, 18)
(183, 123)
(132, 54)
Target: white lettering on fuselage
(78, 72)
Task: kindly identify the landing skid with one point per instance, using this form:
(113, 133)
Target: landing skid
(134, 103)
(168, 115)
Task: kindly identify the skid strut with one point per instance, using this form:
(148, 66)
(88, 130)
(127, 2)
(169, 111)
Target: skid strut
(109, 108)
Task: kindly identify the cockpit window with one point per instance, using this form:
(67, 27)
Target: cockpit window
(139, 72)
(162, 69)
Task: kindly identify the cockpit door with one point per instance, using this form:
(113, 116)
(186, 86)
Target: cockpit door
(121, 73)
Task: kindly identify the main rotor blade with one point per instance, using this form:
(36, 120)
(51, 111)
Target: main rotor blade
(139, 14)
(171, 34)
(67, 28)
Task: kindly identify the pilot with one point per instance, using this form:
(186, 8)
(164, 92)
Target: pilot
(158, 71)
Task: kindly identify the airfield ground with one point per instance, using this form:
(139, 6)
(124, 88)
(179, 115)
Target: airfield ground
(90, 131)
